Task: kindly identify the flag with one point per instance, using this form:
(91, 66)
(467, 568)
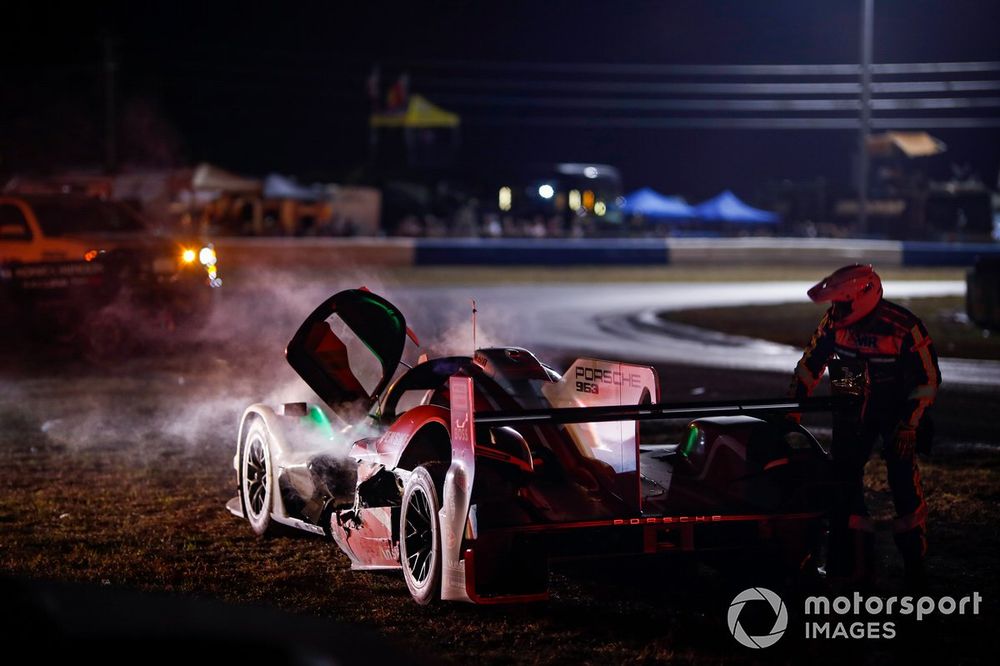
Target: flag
(372, 85)
(398, 94)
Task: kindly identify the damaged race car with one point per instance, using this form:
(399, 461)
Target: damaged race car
(472, 473)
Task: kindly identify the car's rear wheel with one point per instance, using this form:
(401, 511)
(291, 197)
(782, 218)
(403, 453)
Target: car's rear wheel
(256, 477)
(420, 537)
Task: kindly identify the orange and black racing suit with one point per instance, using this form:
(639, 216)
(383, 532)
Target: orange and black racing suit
(904, 377)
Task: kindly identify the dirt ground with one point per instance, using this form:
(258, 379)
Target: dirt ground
(135, 500)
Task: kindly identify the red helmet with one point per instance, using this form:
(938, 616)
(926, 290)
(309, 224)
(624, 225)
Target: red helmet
(855, 290)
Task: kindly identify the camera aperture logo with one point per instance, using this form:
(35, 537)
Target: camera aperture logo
(842, 617)
(780, 618)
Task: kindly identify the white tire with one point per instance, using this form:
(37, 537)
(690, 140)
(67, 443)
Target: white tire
(257, 477)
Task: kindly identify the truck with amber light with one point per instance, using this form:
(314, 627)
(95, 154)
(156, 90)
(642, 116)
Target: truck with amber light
(84, 269)
(470, 474)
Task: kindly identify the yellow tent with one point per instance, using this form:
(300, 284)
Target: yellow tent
(911, 144)
(419, 113)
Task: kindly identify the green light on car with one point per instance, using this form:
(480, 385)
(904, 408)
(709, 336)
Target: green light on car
(316, 418)
(691, 442)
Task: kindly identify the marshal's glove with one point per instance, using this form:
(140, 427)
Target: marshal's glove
(904, 441)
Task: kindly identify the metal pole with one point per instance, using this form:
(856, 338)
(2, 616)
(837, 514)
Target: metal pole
(867, 14)
(110, 144)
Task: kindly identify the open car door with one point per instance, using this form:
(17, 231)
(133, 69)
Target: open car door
(349, 347)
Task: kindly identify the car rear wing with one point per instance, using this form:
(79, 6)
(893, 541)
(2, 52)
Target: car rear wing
(459, 583)
(668, 410)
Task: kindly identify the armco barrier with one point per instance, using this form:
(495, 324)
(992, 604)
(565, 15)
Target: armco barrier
(541, 252)
(708, 252)
(655, 251)
(821, 252)
(313, 252)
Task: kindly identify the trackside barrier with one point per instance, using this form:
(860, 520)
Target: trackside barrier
(541, 252)
(707, 252)
(313, 252)
(947, 254)
(827, 252)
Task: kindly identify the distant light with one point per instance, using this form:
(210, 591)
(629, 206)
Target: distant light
(207, 256)
(90, 255)
(574, 199)
(588, 199)
(546, 191)
(600, 208)
(590, 172)
(188, 256)
(504, 198)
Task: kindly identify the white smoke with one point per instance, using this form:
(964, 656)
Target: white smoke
(189, 392)
(189, 395)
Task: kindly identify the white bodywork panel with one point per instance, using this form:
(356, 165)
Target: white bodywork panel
(595, 383)
(454, 513)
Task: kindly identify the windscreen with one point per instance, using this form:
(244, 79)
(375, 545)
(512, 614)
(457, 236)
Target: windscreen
(363, 365)
(73, 215)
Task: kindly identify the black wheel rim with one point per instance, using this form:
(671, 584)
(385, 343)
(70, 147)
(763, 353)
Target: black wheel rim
(419, 536)
(256, 477)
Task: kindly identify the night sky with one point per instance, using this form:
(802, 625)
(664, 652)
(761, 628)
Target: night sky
(282, 87)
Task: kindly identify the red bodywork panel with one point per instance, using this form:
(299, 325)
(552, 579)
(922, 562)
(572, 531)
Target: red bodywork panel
(369, 541)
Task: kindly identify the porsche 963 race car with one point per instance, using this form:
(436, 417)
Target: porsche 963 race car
(470, 473)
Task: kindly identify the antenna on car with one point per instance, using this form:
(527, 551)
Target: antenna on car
(474, 311)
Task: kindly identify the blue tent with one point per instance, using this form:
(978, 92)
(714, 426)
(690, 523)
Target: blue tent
(650, 203)
(727, 207)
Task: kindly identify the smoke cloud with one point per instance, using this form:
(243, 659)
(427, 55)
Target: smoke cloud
(188, 394)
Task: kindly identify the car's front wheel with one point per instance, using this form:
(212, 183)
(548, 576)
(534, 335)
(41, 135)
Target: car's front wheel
(420, 537)
(256, 477)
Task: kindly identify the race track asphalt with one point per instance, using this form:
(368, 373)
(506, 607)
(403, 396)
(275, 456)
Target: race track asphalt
(618, 321)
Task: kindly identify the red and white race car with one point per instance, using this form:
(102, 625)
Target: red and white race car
(471, 473)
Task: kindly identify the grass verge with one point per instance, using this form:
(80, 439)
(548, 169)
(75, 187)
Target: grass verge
(793, 324)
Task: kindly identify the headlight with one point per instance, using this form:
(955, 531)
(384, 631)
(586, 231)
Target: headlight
(207, 256)
(188, 256)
